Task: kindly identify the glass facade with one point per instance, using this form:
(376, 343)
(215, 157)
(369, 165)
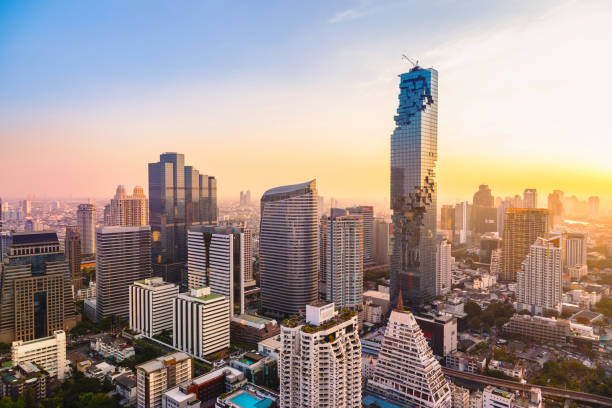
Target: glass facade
(179, 197)
(414, 151)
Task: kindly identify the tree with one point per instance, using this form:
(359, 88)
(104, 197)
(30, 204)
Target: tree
(472, 309)
(604, 306)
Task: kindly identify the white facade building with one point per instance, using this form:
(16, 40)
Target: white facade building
(151, 303)
(224, 254)
(156, 376)
(575, 250)
(320, 361)
(406, 369)
(344, 258)
(444, 263)
(201, 323)
(539, 286)
(48, 352)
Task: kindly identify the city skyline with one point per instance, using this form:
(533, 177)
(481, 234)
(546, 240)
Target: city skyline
(347, 86)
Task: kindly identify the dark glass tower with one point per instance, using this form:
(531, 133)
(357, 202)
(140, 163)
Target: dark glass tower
(176, 202)
(414, 151)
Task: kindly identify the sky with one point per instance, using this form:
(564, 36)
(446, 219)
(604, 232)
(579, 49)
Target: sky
(262, 94)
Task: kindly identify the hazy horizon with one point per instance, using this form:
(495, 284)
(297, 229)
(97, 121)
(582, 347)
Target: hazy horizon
(282, 93)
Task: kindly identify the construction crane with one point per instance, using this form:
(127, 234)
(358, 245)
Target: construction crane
(416, 64)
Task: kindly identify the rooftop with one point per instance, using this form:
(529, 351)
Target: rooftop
(251, 320)
(161, 362)
(294, 188)
(34, 238)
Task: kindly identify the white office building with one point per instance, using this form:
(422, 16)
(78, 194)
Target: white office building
(151, 303)
(344, 258)
(201, 322)
(48, 352)
(444, 264)
(406, 370)
(575, 250)
(320, 359)
(539, 285)
(226, 254)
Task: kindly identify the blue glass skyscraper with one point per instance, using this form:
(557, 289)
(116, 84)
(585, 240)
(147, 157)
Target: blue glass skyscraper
(414, 151)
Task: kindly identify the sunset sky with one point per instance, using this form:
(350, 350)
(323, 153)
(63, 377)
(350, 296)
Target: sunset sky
(267, 93)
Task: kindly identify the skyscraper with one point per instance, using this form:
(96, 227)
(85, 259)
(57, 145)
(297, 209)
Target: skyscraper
(501, 212)
(555, 206)
(36, 297)
(574, 249)
(289, 248)
(320, 359)
(447, 217)
(530, 198)
(26, 207)
(522, 226)
(414, 151)
(484, 215)
(72, 249)
(406, 370)
(381, 250)
(462, 220)
(128, 210)
(123, 256)
(344, 258)
(367, 212)
(86, 222)
(179, 196)
(222, 258)
(444, 263)
(594, 208)
(539, 281)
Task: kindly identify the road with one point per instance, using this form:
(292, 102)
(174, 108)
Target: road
(546, 391)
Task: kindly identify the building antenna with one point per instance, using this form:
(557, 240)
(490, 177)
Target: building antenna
(416, 64)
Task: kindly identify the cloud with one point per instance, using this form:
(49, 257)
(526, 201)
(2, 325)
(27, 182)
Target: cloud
(350, 14)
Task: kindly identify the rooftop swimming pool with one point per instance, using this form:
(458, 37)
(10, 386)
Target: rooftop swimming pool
(246, 400)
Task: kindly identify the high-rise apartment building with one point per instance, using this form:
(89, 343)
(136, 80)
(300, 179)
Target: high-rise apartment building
(86, 222)
(555, 206)
(320, 359)
(574, 249)
(222, 258)
(367, 213)
(72, 249)
(381, 251)
(155, 377)
(462, 222)
(344, 258)
(36, 296)
(530, 198)
(594, 208)
(444, 263)
(178, 197)
(540, 280)
(48, 352)
(414, 151)
(151, 302)
(501, 213)
(128, 210)
(522, 226)
(289, 249)
(201, 322)
(406, 370)
(484, 215)
(123, 256)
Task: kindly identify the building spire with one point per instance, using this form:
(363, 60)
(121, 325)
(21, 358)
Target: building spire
(400, 301)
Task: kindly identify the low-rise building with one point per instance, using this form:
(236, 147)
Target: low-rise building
(460, 397)
(440, 330)
(538, 328)
(467, 363)
(270, 347)
(373, 313)
(257, 369)
(510, 370)
(25, 376)
(250, 330)
(111, 347)
(126, 386)
(47, 352)
(378, 297)
(176, 398)
(208, 387)
(493, 397)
